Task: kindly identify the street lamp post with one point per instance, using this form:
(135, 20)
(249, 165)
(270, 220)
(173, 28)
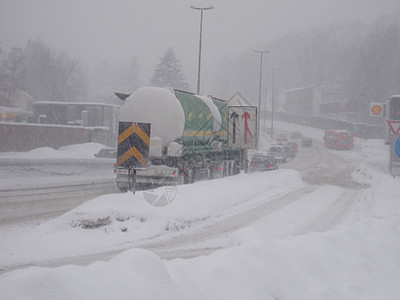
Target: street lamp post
(259, 97)
(273, 103)
(201, 30)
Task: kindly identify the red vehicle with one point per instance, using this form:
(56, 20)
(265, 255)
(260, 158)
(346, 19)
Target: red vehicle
(339, 139)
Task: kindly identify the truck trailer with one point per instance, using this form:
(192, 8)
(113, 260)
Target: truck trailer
(188, 138)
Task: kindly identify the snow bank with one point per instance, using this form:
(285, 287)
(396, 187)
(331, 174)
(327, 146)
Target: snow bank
(191, 204)
(87, 150)
(358, 262)
(111, 220)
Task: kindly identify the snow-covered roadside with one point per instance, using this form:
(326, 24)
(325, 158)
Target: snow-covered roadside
(358, 262)
(77, 151)
(357, 259)
(121, 220)
(47, 167)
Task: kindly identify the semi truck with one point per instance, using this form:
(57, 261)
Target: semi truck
(188, 138)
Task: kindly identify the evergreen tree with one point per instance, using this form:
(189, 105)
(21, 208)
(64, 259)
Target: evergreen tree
(169, 72)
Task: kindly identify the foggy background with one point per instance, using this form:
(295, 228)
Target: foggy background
(112, 39)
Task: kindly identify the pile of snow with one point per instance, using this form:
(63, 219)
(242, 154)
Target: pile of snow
(87, 150)
(118, 218)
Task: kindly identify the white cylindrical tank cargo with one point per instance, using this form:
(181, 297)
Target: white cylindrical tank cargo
(215, 112)
(160, 108)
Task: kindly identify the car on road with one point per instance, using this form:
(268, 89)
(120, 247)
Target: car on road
(289, 151)
(296, 135)
(278, 153)
(306, 142)
(107, 153)
(283, 137)
(260, 163)
(294, 145)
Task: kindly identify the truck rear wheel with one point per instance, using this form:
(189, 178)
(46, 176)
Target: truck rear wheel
(235, 168)
(123, 189)
(226, 168)
(188, 176)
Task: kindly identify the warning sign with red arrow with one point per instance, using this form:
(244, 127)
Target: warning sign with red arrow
(394, 126)
(242, 127)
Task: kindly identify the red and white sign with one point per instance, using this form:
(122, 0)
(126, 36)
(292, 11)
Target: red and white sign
(394, 126)
(242, 127)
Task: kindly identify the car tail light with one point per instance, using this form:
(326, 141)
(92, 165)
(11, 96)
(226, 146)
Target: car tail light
(270, 166)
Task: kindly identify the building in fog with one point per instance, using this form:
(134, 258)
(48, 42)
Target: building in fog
(320, 101)
(76, 114)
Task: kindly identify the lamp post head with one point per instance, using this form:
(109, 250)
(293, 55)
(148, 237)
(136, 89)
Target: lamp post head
(261, 51)
(202, 8)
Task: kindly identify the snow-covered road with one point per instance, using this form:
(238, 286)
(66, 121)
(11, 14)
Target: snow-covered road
(188, 238)
(324, 225)
(45, 183)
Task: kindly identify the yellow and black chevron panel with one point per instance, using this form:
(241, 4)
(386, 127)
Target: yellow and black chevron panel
(133, 144)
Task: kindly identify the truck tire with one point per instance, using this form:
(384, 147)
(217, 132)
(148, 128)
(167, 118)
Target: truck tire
(181, 179)
(123, 189)
(189, 176)
(210, 173)
(225, 168)
(235, 168)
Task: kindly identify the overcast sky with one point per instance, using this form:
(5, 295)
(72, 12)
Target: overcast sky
(95, 30)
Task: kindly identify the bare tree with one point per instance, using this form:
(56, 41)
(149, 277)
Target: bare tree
(52, 77)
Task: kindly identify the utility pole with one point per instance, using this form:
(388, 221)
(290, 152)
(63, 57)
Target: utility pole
(273, 103)
(259, 97)
(265, 100)
(201, 31)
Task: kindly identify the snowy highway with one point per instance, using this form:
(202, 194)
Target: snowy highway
(35, 204)
(320, 220)
(317, 166)
(36, 189)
